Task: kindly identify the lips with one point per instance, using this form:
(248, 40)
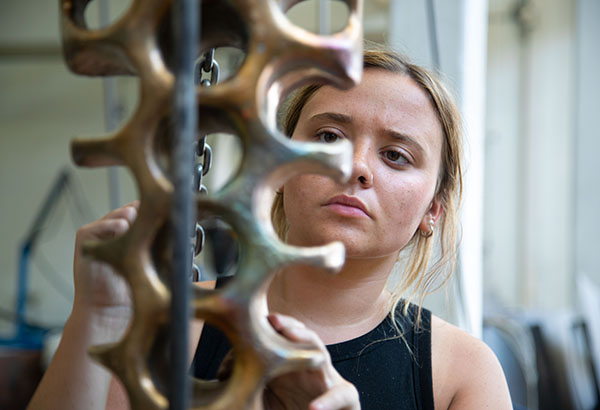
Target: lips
(348, 205)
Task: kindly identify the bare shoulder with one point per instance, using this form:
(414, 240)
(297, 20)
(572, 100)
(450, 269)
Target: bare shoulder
(466, 373)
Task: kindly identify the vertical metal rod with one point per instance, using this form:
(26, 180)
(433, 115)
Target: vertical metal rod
(111, 112)
(433, 37)
(473, 51)
(113, 188)
(185, 24)
(526, 149)
(324, 16)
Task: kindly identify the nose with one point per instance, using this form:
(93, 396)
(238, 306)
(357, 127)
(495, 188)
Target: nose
(361, 171)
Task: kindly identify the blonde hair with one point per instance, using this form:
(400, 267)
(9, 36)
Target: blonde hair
(422, 274)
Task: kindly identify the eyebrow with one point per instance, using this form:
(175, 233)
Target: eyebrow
(333, 116)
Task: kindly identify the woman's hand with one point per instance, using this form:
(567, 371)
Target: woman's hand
(314, 389)
(101, 312)
(98, 289)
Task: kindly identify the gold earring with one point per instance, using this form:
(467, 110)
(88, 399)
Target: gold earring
(427, 234)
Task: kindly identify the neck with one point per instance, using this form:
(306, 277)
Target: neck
(338, 307)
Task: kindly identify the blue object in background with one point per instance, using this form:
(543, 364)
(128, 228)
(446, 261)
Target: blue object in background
(26, 335)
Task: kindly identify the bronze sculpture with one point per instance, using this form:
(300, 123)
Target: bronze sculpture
(279, 58)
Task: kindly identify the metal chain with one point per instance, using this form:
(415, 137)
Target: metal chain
(206, 64)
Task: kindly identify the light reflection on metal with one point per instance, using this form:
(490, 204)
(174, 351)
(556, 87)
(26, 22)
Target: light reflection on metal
(279, 57)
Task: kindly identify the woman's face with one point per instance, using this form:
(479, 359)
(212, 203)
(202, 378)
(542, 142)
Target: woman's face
(397, 141)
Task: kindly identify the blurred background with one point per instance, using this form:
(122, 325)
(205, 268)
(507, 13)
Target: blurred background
(525, 73)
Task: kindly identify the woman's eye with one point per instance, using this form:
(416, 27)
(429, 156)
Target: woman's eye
(327, 137)
(395, 157)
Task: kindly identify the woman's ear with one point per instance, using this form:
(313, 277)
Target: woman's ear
(431, 216)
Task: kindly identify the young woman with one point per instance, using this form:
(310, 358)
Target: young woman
(385, 353)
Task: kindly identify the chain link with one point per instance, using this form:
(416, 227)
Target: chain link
(209, 66)
(206, 64)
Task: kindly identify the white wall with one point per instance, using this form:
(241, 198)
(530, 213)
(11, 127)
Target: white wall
(529, 203)
(529, 177)
(42, 107)
(35, 129)
(408, 33)
(503, 152)
(587, 166)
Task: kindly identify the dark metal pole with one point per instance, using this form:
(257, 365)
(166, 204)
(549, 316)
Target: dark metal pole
(185, 26)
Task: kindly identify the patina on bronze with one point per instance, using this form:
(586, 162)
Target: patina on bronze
(279, 57)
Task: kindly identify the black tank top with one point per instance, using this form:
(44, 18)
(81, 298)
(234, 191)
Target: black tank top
(386, 373)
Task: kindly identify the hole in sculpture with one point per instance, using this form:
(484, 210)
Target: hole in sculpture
(211, 373)
(210, 369)
(122, 98)
(220, 254)
(222, 28)
(320, 16)
(229, 59)
(101, 14)
(226, 153)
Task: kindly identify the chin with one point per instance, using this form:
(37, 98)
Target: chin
(353, 249)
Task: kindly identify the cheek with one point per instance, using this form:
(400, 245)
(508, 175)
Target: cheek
(300, 191)
(407, 206)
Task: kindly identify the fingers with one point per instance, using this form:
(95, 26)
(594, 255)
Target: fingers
(127, 212)
(294, 330)
(337, 393)
(113, 224)
(343, 396)
(283, 322)
(107, 229)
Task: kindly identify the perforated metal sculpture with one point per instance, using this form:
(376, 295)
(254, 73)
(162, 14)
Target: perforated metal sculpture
(279, 57)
